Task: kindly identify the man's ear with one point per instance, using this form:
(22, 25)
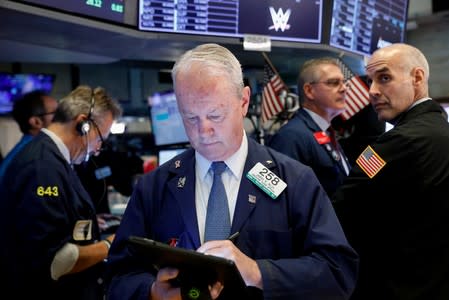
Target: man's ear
(307, 89)
(246, 95)
(418, 76)
(35, 122)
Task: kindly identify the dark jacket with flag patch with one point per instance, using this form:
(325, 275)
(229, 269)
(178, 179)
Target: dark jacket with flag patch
(398, 220)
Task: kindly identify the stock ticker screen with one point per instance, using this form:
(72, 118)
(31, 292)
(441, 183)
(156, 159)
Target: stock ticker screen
(111, 10)
(362, 26)
(283, 20)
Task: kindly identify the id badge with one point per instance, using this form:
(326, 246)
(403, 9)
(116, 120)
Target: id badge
(266, 180)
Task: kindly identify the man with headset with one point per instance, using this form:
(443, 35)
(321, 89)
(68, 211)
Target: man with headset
(51, 247)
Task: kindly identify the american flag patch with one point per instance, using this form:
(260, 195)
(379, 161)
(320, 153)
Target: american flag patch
(370, 162)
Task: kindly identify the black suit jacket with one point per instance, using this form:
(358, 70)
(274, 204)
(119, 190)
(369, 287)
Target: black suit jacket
(398, 221)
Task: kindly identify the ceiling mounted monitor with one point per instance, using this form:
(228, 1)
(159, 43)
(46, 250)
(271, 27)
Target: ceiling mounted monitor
(14, 86)
(282, 20)
(107, 10)
(362, 26)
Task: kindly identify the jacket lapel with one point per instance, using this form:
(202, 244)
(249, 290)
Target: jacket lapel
(182, 187)
(249, 193)
(330, 150)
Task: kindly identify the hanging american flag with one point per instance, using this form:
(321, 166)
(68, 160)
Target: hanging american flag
(357, 96)
(273, 86)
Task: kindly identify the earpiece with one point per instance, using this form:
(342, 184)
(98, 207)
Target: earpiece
(83, 127)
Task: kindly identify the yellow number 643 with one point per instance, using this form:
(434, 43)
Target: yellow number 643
(47, 191)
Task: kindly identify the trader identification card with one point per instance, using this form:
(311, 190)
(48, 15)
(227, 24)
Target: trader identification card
(269, 182)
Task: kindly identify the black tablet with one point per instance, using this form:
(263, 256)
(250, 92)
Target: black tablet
(194, 267)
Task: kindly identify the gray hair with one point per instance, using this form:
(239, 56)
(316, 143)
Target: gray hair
(309, 71)
(216, 59)
(94, 103)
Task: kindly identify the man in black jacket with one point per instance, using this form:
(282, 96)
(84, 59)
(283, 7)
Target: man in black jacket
(395, 202)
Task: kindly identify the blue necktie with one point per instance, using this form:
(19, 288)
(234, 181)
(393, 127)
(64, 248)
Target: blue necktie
(218, 222)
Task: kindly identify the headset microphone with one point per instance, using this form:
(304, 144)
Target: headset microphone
(83, 127)
(86, 158)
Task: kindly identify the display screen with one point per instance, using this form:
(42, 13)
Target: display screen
(165, 155)
(14, 86)
(166, 121)
(284, 20)
(362, 26)
(112, 10)
(446, 109)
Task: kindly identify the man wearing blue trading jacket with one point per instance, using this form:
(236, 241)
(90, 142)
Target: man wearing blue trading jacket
(290, 246)
(308, 137)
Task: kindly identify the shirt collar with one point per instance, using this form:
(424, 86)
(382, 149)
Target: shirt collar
(235, 162)
(322, 123)
(399, 117)
(419, 101)
(59, 143)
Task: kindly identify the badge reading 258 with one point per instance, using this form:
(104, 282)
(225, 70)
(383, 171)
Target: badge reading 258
(269, 182)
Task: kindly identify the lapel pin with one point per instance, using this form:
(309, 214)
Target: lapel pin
(177, 164)
(181, 182)
(252, 199)
(335, 155)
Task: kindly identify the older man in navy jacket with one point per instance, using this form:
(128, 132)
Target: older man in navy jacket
(291, 245)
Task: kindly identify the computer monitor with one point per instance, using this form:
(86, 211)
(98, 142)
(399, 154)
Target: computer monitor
(282, 20)
(165, 155)
(446, 109)
(109, 10)
(166, 121)
(14, 86)
(361, 27)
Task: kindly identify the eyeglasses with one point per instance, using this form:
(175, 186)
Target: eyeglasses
(45, 114)
(333, 82)
(102, 140)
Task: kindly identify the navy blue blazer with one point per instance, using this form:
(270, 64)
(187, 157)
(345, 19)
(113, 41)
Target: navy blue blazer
(42, 201)
(296, 140)
(296, 238)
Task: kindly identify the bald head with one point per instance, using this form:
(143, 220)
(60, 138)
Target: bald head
(405, 56)
(399, 76)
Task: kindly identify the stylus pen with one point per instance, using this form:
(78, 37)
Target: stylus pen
(233, 236)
